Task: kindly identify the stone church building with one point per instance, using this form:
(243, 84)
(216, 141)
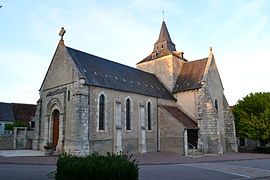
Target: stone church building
(88, 103)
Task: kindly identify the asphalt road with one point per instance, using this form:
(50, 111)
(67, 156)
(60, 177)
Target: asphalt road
(24, 172)
(248, 169)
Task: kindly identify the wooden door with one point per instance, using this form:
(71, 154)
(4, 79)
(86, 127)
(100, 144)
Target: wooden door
(55, 131)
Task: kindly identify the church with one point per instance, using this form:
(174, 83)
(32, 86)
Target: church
(168, 104)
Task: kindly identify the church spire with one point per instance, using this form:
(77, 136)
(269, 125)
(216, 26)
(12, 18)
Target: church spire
(164, 41)
(164, 34)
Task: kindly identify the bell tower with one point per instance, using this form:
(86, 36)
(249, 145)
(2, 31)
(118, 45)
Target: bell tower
(164, 41)
(165, 62)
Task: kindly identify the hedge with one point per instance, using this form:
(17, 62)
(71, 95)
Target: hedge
(95, 166)
(16, 124)
(262, 150)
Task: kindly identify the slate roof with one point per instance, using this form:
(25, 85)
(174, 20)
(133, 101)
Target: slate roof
(6, 112)
(24, 112)
(180, 116)
(164, 34)
(190, 76)
(108, 74)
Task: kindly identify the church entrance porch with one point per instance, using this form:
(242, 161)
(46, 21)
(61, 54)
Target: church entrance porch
(55, 117)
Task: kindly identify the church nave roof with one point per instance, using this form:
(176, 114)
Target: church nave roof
(108, 74)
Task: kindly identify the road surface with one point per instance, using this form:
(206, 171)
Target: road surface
(248, 169)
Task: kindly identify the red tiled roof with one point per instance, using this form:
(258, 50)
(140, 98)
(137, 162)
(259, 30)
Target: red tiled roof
(180, 116)
(24, 112)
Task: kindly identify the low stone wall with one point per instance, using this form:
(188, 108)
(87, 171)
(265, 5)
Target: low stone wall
(22, 141)
(6, 141)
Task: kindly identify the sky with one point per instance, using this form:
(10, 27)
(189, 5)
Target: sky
(125, 30)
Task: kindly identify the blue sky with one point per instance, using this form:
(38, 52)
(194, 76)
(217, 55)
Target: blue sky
(125, 31)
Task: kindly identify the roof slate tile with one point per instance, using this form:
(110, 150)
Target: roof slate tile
(108, 74)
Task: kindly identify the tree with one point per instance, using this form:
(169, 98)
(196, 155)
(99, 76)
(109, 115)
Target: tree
(252, 117)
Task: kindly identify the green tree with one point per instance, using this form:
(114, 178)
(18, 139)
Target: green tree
(252, 117)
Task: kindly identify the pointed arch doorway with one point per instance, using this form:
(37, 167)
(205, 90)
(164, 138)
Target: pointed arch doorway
(55, 117)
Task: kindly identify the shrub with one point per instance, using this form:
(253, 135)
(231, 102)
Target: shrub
(16, 124)
(262, 150)
(95, 166)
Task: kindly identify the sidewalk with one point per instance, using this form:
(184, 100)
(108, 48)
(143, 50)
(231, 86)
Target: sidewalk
(173, 158)
(26, 157)
(37, 157)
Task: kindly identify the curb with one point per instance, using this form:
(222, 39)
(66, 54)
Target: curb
(209, 161)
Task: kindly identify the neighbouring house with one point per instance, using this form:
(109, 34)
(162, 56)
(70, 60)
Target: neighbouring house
(25, 113)
(6, 116)
(168, 103)
(16, 112)
(20, 137)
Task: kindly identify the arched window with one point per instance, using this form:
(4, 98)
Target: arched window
(128, 115)
(101, 120)
(149, 121)
(216, 105)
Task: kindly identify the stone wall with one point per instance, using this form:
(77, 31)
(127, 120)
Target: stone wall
(61, 71)
(188, 101)
(104, 140)
(78, 132)
(166, 69)
(171, 133)
(210, 138)
(62, 98)
(6, 141)
(208, 134)
(22, 140)
(230, 134)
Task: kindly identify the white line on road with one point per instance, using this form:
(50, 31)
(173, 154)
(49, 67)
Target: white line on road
(236, 174)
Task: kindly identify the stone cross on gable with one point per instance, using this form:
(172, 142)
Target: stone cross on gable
(62, 33)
